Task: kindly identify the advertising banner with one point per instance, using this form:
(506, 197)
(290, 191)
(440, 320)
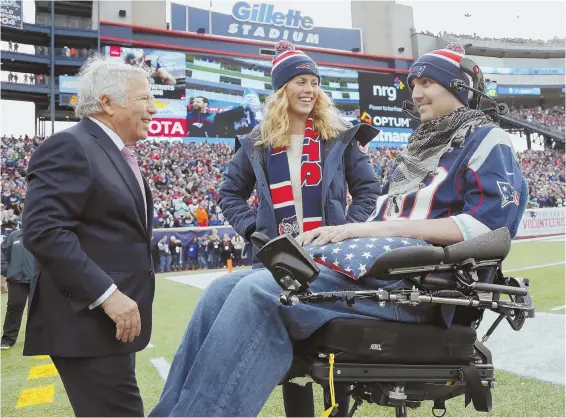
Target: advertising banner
(544, 221)
(518, 91)
(168, 86)
(264, 22)
(381, 101)
(168, 127)
(523, 71)
(11, 13)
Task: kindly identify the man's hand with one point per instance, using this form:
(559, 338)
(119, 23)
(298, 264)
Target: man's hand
(337, 233)
(124, 312)
(4, 284)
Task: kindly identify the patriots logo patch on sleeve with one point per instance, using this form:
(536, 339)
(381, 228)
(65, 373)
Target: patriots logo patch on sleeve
(508, 194)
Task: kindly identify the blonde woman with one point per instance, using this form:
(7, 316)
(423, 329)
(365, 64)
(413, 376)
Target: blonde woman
(302, 159)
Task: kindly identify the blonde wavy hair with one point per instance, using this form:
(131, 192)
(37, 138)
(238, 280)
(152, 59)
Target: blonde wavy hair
(274, 130)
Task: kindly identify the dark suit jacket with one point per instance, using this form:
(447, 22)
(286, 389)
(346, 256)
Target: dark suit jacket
(86, 227)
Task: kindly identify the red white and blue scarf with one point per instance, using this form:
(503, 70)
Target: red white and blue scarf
(311, 185)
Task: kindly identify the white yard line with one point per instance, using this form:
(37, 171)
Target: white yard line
(162, 366)
(558, 308)
(551, 238)
(535, 267)
(536, 351)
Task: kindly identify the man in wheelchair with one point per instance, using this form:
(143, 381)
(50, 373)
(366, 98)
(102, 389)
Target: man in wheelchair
(401, 329)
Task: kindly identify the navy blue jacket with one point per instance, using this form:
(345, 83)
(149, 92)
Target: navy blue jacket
(85, 223)
(344, 166)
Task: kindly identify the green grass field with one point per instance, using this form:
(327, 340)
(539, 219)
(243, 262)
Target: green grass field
(174, 303)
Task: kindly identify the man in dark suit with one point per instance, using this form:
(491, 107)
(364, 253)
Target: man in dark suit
(88, 224)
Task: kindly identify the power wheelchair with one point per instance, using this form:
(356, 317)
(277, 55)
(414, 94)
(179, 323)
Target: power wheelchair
(396, 364)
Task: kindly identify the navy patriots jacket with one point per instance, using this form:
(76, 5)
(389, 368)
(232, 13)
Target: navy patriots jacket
(478, 184)
(346, 167)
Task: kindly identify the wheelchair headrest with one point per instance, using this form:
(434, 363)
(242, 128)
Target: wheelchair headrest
(490, 246)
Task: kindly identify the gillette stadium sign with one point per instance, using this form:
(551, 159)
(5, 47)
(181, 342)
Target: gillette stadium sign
(266, 14)
(264, 22)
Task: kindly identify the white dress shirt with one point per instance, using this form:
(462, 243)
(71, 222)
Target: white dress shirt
(120, 144)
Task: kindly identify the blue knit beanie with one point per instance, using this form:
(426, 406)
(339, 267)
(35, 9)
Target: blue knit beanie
(442, 66)
(289, 63)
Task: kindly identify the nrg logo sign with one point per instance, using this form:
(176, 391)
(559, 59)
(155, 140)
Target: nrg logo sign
(389, 91)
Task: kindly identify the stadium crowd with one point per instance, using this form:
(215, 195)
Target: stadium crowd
(185, 178)
(552, 117)
(544, 171)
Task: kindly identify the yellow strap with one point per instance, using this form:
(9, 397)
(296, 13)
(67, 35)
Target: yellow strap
(327, 413)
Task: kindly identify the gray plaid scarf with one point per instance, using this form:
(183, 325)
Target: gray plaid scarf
(426, 146)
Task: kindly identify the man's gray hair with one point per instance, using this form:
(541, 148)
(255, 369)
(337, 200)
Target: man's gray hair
(102, 76)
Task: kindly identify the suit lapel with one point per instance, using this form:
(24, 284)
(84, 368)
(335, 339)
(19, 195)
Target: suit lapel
(123, 168)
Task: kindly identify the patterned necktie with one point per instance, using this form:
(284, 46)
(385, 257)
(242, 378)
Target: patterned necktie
(131, 160)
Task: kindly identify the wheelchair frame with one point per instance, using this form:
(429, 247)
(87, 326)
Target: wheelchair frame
(397, 385)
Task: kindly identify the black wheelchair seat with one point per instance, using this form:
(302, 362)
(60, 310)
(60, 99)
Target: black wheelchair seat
(393, 364)
(384, 342)
(403, 364)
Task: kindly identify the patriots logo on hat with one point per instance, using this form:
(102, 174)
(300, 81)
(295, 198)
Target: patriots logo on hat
(308, 67)
(417, 70)
(508, 194)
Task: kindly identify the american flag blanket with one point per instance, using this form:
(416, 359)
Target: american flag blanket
(354, 257)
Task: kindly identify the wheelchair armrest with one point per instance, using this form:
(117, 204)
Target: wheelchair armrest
(494, 245)
(406, 257)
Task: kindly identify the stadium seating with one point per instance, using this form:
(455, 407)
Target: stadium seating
(182, 175)
(550, 117)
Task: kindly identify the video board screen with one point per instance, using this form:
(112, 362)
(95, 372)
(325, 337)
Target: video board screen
(225, 96)
(168, 85)
(210, 97)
